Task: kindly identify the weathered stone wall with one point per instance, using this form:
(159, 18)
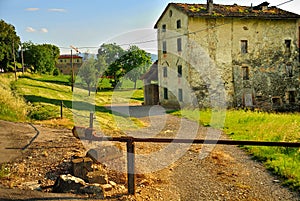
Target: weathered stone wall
(268, 60)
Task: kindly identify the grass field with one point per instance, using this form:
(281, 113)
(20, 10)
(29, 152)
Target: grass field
(261, 126)
(38, 98)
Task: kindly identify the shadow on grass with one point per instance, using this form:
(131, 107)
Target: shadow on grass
(78, 105)
(61, 82)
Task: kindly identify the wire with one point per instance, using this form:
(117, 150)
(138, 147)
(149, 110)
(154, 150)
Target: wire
(172, 37)
(284, 3)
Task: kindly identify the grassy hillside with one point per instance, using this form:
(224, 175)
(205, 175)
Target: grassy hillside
(260, 126)
(12, 106)
(38, 98)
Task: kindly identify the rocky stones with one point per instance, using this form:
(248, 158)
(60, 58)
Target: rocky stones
(97, 177)
(71, 184)
(68, 184)
(81, 167)
(104, 153)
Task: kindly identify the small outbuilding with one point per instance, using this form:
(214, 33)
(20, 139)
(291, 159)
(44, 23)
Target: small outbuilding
(150, 79)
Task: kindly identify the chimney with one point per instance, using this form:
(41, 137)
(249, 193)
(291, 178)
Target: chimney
(210, 6)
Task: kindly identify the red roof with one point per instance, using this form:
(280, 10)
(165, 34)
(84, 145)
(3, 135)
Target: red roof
(68, 56)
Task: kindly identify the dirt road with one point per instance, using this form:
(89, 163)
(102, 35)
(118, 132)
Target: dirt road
(170, 172)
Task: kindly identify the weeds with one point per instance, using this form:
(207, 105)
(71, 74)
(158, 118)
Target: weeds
(261, 126)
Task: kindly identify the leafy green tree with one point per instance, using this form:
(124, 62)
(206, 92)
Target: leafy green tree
(108, 64)
(135, 63)
(88, 73)
(9, 44)
(42, 57)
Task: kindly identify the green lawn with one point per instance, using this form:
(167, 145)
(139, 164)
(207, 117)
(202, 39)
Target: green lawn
(261, 126)
(45, 93)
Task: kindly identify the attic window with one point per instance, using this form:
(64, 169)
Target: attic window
(178, 24)
(164, 28)
(170, 13)
(287, 45)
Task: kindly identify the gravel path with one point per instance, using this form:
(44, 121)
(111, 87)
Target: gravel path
(227, 173)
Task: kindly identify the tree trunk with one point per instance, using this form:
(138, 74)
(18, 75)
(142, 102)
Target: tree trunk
(135, 84)
(89, 88)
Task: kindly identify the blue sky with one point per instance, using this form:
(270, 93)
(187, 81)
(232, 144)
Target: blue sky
(89, 23)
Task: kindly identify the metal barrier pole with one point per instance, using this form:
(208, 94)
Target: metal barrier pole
(130, 166)
(91, 120)
(61, 109)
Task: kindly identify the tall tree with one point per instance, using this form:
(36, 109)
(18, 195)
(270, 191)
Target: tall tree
(108, 55)
(88, 73)
(135, 63)
(42, 57)
(9, 40)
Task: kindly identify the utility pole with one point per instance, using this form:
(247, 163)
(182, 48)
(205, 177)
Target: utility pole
(13, 46)
(72, 71)
(72, 67)
(22, 57)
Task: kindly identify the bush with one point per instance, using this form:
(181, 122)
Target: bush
(43, 112)
(56, 72)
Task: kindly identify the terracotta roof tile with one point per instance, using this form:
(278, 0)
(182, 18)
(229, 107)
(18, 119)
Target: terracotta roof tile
(68, 56)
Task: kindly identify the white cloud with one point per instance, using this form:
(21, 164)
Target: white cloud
(30, 29)
(60, 10)
(32, 9)
(44, 30)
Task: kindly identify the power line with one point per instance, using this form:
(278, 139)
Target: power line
(176, 36)
(284, 3)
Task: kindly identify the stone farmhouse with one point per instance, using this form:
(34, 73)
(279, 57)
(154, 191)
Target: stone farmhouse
(251, 53)
(64, 63)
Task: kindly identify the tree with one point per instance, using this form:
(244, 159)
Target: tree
(135, 63)
(88, 73)
(9, 40)
(108, 55)
(42, 57)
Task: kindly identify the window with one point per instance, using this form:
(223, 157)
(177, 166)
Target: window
(164, 47)
(178, 24)
(244, 46)
(170, 13)
(164, 28)
(166, 94)
(180, 98)
(276, 100)
(289, 70)
(292, 96)
(288, 45)
(179, 44)
(165, 72)
(245, 73)
(179, 70)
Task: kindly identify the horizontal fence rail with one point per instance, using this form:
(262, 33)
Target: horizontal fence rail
(130, 148)
(194, 141)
